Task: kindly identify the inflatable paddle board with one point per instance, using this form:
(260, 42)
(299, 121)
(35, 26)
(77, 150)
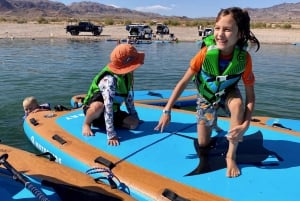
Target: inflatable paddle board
(281, 123)
(152, 97)
(25, 176)
(170, 165)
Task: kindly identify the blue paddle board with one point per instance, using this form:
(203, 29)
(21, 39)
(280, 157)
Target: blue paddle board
(11, 189)
(290, 124)
(47, 180)
(280, 123)
(170, 163)
(151, 97)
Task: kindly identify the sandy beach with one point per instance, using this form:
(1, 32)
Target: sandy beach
(35, 31)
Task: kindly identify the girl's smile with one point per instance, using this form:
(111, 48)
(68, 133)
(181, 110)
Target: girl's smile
(226, 34)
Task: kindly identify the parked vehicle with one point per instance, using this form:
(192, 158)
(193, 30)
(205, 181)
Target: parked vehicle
(204, 32)
(139, 31)
(162, 28)
(84, 27)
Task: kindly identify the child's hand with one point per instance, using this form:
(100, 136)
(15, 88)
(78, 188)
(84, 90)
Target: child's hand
(113, 141)
(36, 110)
(236, 134)
(163, 122)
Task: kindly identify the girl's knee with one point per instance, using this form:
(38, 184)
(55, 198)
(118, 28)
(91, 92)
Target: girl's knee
(96, 106)
(134, 124)
(130, 122)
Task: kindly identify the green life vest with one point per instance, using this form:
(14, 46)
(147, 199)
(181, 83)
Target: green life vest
(124, 85)
(210, 82)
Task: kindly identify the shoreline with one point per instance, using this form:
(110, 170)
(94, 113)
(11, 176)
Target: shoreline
(115, 32)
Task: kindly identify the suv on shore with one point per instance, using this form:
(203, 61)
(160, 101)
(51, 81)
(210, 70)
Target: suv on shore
(139, 31)
(162, 28)
(205, 32)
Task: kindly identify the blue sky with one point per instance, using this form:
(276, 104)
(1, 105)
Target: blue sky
(189, 8)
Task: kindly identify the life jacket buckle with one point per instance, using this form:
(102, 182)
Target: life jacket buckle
(221, 78)
(215, 104)
(220, 93)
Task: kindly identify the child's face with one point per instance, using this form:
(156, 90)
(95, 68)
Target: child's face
(29, 108)
(226, 34)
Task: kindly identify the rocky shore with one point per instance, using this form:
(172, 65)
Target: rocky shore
(35, 31)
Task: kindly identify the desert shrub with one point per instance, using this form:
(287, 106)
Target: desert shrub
(109, 21)
(42, 20)
(258, 25)
(2, 19)
(286, 26)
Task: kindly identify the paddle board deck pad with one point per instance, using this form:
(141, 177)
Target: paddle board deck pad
(52, 180)
(170, 163)
(153, 97)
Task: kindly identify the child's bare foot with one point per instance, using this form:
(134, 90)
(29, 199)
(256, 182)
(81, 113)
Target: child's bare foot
(232, 168)
(86, 130)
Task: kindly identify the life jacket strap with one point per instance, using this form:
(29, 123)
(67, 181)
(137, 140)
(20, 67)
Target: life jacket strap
(222, 78)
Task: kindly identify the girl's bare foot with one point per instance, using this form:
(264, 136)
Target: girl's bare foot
(86, 130)
(232, 168)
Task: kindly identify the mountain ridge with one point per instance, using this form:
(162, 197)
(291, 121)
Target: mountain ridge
(28, 9)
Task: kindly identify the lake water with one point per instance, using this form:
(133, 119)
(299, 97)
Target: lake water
(53, 70)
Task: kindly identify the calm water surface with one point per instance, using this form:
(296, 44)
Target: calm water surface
(55, 70)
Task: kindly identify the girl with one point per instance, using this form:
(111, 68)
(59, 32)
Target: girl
(109, 89)
(216, 70)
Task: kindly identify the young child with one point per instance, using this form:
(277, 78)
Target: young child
(216, 70)
(30, 104)
(109, 89)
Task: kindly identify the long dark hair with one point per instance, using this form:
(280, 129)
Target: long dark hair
(242, 20)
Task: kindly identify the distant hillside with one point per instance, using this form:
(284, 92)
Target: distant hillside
(278, 13)
(32, 9)
(44, 8)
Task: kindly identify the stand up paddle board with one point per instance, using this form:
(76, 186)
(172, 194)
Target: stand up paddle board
(152, 97)
(25, 176)
(171, 164)
(281, 123)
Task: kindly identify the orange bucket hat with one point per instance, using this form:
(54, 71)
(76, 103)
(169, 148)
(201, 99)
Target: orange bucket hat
(125, 58)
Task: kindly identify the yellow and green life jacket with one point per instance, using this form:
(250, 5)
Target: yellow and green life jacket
(210, 82)
(124, 85)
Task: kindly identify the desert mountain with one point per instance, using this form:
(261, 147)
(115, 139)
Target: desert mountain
(286, 12)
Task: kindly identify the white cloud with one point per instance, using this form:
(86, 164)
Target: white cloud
(114, 5)
(154, 8)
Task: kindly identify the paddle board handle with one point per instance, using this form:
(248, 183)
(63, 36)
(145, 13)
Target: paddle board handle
(34, 122)
(171, 195)
(36, 192)
(278, 125)
(59, 139)
(151, 93)
(105, 162)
